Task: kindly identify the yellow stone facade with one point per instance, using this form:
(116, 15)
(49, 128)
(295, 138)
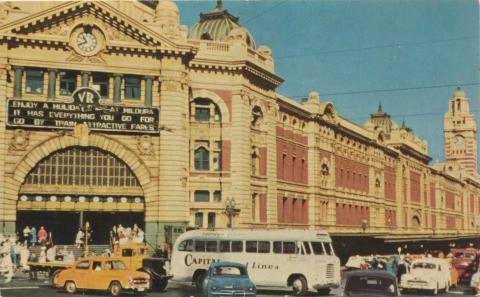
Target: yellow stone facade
(281, 161)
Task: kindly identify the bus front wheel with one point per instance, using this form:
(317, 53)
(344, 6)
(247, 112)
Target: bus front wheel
(199, 279)
(299, 285)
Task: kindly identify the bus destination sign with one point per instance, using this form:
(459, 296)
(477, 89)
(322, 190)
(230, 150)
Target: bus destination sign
(86, 107)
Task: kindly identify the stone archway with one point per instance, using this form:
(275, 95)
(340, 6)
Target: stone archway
(51, 145)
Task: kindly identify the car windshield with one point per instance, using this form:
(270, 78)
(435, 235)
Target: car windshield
(370, 285)
(229, 271)
(469, 256)
(423, 265)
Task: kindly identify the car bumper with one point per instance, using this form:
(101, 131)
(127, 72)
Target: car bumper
(227, 293)
(326, 285)
(417, 286)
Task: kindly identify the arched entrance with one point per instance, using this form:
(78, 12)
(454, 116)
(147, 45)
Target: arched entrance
(78, 184)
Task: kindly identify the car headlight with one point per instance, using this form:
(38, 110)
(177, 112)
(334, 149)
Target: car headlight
(214, 288)
(251, 288)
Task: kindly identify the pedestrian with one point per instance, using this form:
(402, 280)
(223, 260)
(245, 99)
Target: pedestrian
(79, 238)
(33, 236)
(7, 263)
(51, 254)
(24, 256)
(69, 258)
(26, 235)
(166, 250)
(42, 235)
(42, 258)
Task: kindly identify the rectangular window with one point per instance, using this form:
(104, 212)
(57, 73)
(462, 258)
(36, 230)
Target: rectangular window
(199, 219)
(34, 81)
(307, 247)
(202, 155)
(294, 159)
(277, 247)
(202, 114)
(251, 246)
(217, 196)
(201, 196)
(132, 87)
(199, 245)
(68, 82)
(264, 247)
(317, 248)
(211, 219)
(224, 246)
(237, 246)
(100, 84)
(212, 246)
(289, 247)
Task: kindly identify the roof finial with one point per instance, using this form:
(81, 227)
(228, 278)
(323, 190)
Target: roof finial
(380, 106)
(219, 5)
(404, 126)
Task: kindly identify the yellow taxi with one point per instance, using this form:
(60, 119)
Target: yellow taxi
(105, 274)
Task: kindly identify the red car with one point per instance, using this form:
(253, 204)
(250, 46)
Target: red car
(465, 262)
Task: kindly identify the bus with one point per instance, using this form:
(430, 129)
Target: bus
(303, 260)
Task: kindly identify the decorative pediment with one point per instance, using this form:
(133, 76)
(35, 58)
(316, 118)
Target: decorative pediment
(56, 24)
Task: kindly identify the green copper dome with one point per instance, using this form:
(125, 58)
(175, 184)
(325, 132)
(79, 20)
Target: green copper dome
(217, 24)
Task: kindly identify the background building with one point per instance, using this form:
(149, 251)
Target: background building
(187, 124)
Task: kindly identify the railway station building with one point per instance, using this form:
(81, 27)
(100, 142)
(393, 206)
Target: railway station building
(114, 112)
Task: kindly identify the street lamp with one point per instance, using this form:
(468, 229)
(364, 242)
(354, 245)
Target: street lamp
(230, 210)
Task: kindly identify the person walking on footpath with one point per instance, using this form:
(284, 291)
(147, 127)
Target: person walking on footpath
(42, 235)
(26, 235)
(79, 238)
(33, 237)
(7, 263)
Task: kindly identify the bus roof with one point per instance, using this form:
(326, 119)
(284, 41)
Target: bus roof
(257, 234)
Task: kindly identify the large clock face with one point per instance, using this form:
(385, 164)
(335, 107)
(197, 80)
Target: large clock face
(86, 42)
(459, 142)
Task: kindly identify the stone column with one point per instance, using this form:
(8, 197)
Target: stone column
(17, 90)
(271, 141)
(52, 81)
(85, 78)
(240, 157)
(148, 90)
(171, 209)
(117, 87)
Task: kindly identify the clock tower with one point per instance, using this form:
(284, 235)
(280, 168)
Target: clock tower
(460, 133)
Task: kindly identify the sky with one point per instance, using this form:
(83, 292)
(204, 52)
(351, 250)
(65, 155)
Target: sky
(408, 55)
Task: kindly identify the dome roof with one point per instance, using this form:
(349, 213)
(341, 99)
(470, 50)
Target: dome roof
(166, 5)
(382, 121)
(217, 24)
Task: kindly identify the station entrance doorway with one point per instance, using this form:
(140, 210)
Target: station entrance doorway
(77, 185)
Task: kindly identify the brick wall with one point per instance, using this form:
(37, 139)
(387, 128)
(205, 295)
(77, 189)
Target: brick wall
(351, 174)
(390, 184)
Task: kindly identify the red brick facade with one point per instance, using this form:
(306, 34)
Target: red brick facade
(351, 174)
(415, 187)
(390, 184)
(351, 215)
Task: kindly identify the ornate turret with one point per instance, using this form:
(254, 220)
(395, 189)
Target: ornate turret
(217, 25)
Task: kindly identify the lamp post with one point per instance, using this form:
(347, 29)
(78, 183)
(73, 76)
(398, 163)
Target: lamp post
(230, 210)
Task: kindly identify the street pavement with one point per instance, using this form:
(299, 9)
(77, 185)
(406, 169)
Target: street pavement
(23, 287)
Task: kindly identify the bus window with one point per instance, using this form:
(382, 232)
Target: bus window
(264, 247)
(186, 246)
(328, 248)
(199, 245)
(289, 247)
(277, 247)
(224, 246)
(251, 246)
(317, 248)
(212, 246)
(306, 244)
(237, 246)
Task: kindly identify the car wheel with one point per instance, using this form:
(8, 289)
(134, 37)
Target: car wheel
(199, 280)
(52, 277)
(299, 286)
(115, 289)
(324, 291)
(159, 284)
(70, 287)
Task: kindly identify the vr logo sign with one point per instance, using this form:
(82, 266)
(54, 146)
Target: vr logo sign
(86, 95)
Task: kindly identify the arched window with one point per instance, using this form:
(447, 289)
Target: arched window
(205, 110)
(202, 159)
(325, 170)
(206, 36)
(415, 221)
(257, 116)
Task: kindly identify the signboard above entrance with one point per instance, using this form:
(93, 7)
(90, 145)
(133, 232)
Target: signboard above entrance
(85, 107)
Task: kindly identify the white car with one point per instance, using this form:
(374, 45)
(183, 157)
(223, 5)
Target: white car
(430, 274)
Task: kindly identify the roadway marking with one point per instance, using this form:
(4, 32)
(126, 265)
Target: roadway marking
(17, 288)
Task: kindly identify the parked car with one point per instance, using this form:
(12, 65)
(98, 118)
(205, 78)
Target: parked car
(465, 262)
(365, 283)
(104, 274)
(432, 274)
(228, 279)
